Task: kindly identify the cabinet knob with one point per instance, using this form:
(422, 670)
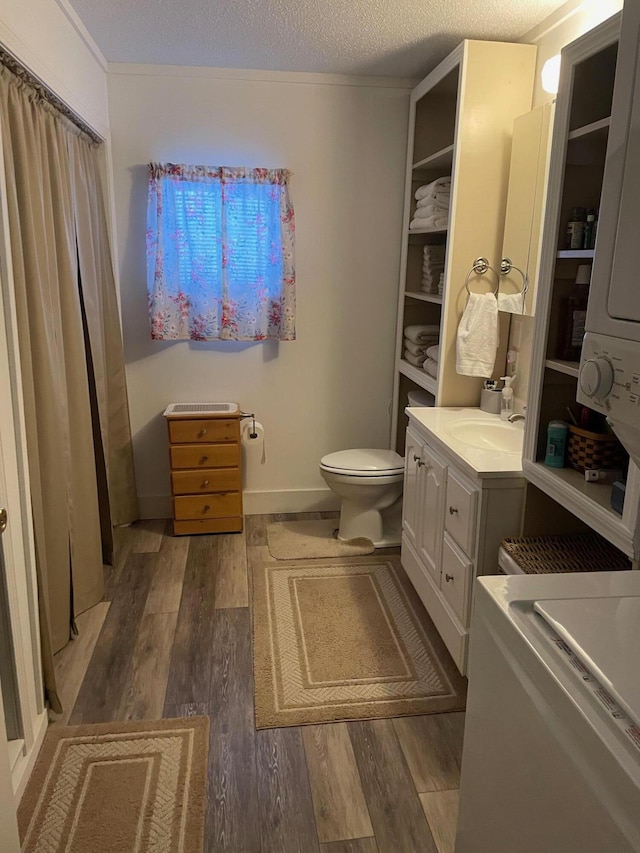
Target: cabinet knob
(205, 483)
(206, 508)
(202, 432)
(203, 460)
(448, 578)
(453, 510)
(418, 461)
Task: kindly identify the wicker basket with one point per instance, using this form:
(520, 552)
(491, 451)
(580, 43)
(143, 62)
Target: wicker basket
(587, 450)
(566, 552)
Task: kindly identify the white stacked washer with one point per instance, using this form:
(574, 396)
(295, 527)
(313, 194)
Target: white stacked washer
(369, 483)
(551, 760)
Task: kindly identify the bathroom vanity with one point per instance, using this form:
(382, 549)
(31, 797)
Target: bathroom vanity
(463, 493)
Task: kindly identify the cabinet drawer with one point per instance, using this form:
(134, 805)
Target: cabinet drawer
(460, 513)
(207, 506)
(457, 571)
(213, 429)
(194, 482)
(205, 456)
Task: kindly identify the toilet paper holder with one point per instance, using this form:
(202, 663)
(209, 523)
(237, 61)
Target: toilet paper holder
(243, 415)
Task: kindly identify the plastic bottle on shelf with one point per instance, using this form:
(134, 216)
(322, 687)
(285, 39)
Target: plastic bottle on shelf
(556, 444)
(590, 229)
(573, 315)
(575, 228)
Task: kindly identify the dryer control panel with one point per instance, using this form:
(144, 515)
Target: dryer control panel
(609, 379)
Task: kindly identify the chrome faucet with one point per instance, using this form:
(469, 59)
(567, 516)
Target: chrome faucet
(516, 416)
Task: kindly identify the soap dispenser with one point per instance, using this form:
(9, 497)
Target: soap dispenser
(506, 410)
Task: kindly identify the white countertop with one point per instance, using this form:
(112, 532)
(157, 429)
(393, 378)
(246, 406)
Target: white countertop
(478, 462)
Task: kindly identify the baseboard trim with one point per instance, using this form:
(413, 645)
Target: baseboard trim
(255, 503)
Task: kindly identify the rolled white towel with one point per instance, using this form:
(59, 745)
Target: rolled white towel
(433, 252)
(434, 353)
(418, 334)
(443, 183)
(477, 342)
(412, 358)
(431, 367)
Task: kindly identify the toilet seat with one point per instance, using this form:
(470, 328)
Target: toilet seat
(364, 462)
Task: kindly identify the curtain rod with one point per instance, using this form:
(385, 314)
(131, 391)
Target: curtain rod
(45, 94)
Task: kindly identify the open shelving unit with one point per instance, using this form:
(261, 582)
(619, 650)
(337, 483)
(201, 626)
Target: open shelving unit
(579, 151)
(493, 80)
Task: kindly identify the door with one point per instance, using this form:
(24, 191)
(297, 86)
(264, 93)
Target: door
(412, 474)
(432, 486)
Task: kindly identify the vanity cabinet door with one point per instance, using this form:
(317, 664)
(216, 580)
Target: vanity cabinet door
(411, 496)
(432, 487)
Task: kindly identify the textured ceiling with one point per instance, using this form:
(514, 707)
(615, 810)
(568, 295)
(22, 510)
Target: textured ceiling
(404, 38)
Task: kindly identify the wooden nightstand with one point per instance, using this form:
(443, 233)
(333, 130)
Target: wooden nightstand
(206, 467)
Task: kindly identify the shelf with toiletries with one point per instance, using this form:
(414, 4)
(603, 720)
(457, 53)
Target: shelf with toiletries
(460, 115)
(559, 432)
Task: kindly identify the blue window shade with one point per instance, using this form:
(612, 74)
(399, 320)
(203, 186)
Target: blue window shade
(220, 254)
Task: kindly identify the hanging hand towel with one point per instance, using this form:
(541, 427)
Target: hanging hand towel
(511, 303)
(478, 336)
(418, 334)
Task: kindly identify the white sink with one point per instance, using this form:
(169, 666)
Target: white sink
(488, 435)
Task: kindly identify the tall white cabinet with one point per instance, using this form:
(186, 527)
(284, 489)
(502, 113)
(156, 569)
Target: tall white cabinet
(580, 148)
(460, 124)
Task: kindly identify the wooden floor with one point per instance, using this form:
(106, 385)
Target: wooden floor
(173, 638)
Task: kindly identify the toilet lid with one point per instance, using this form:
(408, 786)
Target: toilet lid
(364, 461)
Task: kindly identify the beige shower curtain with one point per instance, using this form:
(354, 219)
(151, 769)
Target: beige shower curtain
(48, 232)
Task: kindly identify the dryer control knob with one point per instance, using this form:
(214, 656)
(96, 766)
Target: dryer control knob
(596, 378)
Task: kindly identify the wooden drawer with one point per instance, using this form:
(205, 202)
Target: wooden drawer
(194, 482)
(209, 430)
(205, 456)
(457, 571)
(207, 506)
(460, 513)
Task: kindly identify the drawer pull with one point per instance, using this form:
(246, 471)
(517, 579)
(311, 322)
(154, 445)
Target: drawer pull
(206, 508)
(202, 433)
(448, 578)
(205, 483)
(453, 510)
(204, 459)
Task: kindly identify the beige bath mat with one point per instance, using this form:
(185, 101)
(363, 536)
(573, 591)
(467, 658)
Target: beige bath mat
(118, 786)
(345, 642)
(298, 540)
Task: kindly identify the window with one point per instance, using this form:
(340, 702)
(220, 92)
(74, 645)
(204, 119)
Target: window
(220, 253)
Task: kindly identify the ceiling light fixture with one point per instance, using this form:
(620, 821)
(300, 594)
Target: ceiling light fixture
(550, 74)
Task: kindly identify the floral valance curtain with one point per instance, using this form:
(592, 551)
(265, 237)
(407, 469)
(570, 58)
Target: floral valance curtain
(220, 253)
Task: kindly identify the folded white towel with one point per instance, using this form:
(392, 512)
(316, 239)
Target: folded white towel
(433, 251)
(433, 267)
(439, 184)
(434, 208)
(433, 223)
(417, 349)
(418, 334)
(511, 303)
(431, 210)
(442, 193)
(434, 353)
(478, 336)
(431, 367)
(412, 358)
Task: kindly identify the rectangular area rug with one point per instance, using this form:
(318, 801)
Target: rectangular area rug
(311, 539)
(126, 787)
(337, 641)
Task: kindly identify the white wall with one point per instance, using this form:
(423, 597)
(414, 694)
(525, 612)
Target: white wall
(566, 24)
(49, 39)
(330, 389)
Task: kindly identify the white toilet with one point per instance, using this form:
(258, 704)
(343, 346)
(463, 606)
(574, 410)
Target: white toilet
(369, 482)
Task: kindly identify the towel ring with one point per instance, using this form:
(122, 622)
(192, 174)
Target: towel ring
(505, 268)
(480, 267)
